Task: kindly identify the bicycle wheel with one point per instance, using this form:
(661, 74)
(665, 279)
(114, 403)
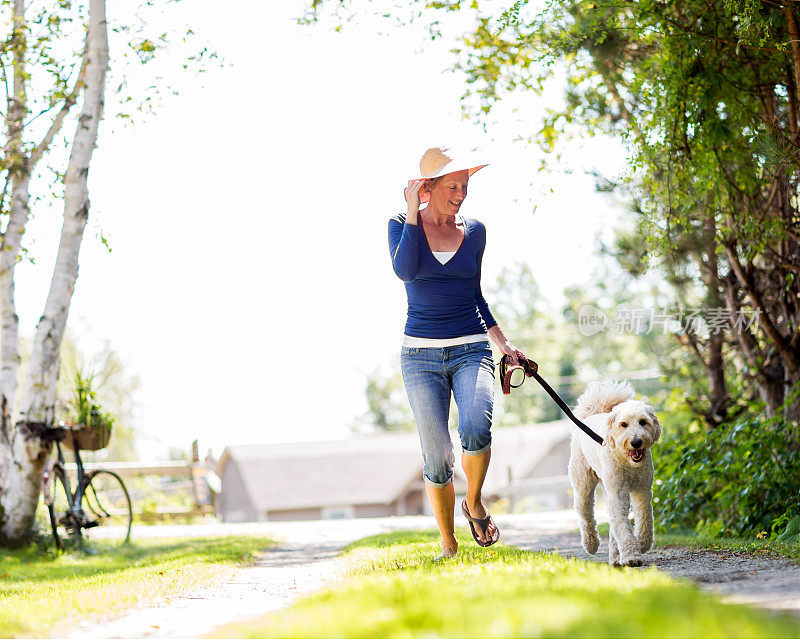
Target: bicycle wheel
(63, 522)
(107, 507)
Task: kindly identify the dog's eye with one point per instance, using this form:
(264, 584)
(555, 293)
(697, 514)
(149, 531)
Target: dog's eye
(642, 422)
(623, 424)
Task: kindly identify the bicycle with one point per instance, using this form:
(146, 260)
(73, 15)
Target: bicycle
(100, 504)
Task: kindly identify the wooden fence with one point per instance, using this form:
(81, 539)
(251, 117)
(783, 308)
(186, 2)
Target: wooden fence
(187, 477)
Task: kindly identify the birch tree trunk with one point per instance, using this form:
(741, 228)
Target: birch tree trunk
(19, 178)
(21, 483)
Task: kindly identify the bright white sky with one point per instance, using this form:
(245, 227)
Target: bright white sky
(248, 221)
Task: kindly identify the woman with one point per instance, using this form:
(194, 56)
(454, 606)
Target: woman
(437, 253)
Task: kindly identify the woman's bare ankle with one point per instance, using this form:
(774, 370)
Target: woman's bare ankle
(476, 508)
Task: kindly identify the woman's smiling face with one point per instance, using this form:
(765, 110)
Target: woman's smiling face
(450, 192)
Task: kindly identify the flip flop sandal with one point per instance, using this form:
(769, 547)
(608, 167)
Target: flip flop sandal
(483, 522)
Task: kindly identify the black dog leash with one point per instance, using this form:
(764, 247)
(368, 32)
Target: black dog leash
(531, 370)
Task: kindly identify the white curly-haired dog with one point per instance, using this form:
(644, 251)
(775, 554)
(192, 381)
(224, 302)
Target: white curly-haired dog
(623, 464)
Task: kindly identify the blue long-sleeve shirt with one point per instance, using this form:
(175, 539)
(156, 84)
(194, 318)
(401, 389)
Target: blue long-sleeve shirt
(444, 300)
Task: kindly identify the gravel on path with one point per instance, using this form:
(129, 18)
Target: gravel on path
(772, 583)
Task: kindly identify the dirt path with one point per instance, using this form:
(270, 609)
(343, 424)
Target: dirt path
(307, 559)
(279, 577)
(766, 582)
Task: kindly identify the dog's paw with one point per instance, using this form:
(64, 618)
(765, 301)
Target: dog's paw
(613, 553)
(644, 537)
(590, 541)
(631, 561)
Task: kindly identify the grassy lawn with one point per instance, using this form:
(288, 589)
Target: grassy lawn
(748, 546)
(687, 538)
(395, 590)
(754, 547)
(43, 592)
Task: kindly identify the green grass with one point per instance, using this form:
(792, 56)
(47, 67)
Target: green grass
(44, 592)
(749, 546)
(395, 590)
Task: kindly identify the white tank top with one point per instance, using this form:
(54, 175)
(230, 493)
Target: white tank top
(414, 341)
(443, 256)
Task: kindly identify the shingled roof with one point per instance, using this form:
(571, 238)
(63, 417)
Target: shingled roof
(373, 469)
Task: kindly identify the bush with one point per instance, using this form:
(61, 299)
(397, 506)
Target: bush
(740, 478)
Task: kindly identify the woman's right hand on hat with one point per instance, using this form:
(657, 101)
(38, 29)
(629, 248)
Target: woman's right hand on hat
(411, 192)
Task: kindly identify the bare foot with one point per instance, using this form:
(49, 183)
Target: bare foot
(448, 551)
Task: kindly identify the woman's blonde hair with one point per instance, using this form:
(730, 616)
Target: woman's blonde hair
(430, 183)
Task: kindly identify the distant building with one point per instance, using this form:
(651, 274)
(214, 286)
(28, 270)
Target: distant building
(375, 475)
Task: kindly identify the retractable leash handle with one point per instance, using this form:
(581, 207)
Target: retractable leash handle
(507, 370)
(531, 370)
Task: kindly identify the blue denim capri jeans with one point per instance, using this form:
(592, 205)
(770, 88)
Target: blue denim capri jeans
(430, 374)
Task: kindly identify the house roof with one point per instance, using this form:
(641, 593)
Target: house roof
(518, 451)
(372, 469)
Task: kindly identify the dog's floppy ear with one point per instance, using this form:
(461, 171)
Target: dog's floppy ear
(656, 423)
(609, 439)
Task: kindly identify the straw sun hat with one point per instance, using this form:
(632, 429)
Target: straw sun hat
(439, 161)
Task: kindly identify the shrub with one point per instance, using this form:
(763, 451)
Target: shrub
(740, 478)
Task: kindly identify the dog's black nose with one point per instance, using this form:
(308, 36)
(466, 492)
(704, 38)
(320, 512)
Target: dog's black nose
(637, 443)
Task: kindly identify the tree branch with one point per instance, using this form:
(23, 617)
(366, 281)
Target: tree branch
(791, 22)
(791, 88)
(5, 191)
(39, 150)
(778, 339)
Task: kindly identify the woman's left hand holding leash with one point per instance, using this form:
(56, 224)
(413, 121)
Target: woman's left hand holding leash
(504, 345)
(512, 352)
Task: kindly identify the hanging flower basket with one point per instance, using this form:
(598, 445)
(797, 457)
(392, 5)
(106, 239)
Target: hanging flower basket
(89, 427)
(89, 437)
